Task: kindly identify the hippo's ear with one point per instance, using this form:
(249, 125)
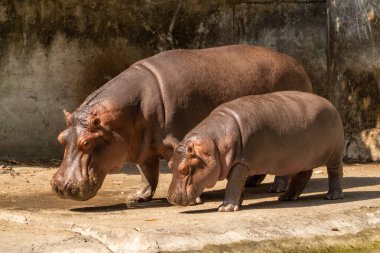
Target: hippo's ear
(67, 114)
(204, 148)
(171, 141)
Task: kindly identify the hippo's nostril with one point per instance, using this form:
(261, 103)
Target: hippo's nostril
(78, 189)
(66, 186)
(61, 193)
(73, 190)
(56, 189)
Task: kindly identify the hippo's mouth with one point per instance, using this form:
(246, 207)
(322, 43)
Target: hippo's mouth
(185, 194)
(81, 190)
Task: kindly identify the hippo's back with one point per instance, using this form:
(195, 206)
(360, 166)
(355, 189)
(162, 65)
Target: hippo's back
(194, 82)
(286, 131)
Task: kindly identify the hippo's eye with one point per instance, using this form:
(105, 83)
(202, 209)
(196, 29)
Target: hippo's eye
(184, 169)
(85, 145)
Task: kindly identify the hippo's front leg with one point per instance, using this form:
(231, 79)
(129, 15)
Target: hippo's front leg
(235, 188)
(149, 171)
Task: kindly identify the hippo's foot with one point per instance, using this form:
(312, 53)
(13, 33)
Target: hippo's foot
(234, 189)
(254, 181)
(335, 181)
(333, 195)
(277, 188)
(228, 207)
(279, 185)
(288, 196)
(141, 195)
(296, 186)
(198, 201)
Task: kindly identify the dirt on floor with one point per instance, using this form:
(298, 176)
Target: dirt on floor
(34, 219)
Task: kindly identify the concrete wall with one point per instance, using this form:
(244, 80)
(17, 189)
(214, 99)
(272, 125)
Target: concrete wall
(354, 73)
(297, 28)
(54, 53)
(354, 61)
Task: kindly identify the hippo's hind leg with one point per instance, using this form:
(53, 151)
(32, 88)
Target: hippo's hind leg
(280, 184)
(335, 174)
(235, 189)
(296, 186)
(255, 180)
(149, 171)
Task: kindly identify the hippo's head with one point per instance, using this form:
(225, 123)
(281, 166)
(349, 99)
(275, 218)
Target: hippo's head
(196, 166)
(92, 150)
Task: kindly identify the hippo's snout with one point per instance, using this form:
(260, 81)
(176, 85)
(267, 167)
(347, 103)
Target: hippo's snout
(175, 199)
(181, 192)
(77, 190)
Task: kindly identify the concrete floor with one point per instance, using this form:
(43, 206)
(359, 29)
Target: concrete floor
(33, 219)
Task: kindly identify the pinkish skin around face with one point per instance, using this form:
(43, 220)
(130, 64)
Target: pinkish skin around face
(94, 151)
(196, 166)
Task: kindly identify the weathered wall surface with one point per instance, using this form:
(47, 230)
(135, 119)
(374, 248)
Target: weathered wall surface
(354, 73)
(54, 53)
(297, 28)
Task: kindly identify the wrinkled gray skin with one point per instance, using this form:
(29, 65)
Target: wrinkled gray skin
(139, 115)
(285, 133)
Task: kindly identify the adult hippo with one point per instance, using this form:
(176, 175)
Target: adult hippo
(139, 115)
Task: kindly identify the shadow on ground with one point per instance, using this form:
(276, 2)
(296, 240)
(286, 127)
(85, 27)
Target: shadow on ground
(315, 185)
(159, 202)
(113, 201)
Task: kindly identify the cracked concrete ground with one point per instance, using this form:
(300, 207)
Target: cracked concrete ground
(33, 219)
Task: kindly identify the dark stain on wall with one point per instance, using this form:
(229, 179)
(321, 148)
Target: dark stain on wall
(155, 25)
(358, 99)
(354, 67)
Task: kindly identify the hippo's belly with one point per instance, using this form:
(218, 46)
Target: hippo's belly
(290, 153)
(287, 162)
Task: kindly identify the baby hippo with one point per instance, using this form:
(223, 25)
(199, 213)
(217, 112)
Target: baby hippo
(286, 133)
